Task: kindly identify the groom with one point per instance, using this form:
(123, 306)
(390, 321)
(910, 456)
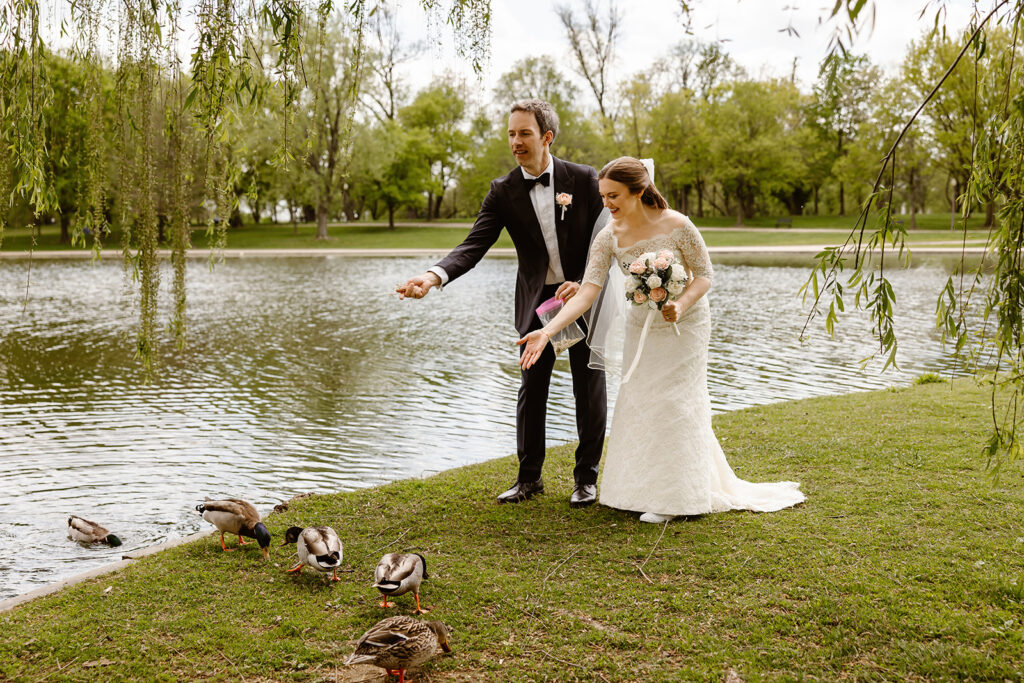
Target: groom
(550, 208)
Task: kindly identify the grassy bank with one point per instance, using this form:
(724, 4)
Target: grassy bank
(906, 563)
(426, 236)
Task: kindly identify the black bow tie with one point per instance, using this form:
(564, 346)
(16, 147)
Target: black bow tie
(544, 179)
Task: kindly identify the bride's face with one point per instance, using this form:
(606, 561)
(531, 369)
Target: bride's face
(617, 198)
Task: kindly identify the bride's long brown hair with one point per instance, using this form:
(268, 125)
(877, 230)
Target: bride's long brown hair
(633, 174)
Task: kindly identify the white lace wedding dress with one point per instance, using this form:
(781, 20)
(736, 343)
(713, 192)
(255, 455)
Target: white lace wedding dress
(663, 456)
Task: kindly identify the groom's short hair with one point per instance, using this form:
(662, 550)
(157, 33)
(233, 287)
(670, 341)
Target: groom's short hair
(547, 118)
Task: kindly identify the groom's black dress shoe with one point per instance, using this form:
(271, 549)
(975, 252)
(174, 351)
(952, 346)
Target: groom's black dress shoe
(522, 490)
(583, 495)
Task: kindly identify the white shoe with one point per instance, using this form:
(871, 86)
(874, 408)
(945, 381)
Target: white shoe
(655, 518)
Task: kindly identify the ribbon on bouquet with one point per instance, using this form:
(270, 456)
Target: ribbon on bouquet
(640, 344)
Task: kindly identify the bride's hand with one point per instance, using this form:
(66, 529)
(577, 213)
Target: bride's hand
(671, 311)
(535, 343)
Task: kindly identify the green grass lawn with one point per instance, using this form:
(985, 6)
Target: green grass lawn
(361, 236)
(906, 563)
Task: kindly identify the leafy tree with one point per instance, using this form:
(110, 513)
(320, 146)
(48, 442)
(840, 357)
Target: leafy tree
(401, 170)
(681, 149)
(859, 265)
(435, 117)
(339, 69)
(970, 105)
(488, 159)
(844, 82)
(751, 149)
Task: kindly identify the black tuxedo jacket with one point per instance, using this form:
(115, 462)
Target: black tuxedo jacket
(508, 206)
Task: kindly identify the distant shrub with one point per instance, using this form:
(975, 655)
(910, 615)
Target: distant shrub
(930, 378)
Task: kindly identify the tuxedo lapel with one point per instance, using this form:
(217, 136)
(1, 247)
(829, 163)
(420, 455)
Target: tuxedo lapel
(519, 197)
(564, 182)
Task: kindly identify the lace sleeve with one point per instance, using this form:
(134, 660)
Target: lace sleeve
(600, 258)
(694, 252)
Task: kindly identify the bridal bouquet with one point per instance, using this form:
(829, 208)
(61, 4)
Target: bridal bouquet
(654, 279)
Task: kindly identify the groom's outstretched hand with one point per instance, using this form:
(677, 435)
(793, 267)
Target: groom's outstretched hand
(535, 343)
(417, 287)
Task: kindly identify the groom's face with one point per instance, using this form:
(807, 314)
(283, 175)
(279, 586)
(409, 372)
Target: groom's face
(528, 146)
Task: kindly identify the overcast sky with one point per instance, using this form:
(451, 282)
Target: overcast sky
(750, 29)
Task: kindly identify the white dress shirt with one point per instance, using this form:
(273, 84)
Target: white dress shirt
(543, 199)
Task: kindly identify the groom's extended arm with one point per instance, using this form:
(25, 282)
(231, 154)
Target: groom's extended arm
(482, 236)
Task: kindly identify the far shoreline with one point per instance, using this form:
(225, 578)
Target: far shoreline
(496, 252)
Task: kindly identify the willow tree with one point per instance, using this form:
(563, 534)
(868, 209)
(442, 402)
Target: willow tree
(164, 102)
(980, 310)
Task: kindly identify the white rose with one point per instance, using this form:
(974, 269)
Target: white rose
(678, 271)
(654, 281)
(632, 283)
(675, 288)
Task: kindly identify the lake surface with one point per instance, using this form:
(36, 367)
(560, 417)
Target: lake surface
(307, 375)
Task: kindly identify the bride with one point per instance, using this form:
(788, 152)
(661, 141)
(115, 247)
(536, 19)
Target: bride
(663, 457)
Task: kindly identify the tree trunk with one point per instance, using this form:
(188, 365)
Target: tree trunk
(700, 199)
(990, 214)
(391, 217)
(815, 200)
(321, 221)
(842, 194)
(65, 224)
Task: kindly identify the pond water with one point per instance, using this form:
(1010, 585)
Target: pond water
(306, 375)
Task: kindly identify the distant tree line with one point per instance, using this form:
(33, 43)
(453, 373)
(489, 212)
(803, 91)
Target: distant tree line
(725, 143)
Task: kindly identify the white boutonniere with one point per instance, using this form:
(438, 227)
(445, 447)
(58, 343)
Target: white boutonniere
(564, 200)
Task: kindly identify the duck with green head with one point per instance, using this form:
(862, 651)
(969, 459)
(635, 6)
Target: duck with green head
(84, 531)
(236, 516)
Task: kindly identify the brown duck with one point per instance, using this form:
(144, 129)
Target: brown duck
(399, 643)
(236, 516)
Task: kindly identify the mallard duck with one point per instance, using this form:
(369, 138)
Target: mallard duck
(318, 546)
(236, 516)
(399, 573)
(84, 531)
(399, 643)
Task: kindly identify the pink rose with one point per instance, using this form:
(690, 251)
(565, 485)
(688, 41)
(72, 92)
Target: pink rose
(662, 263)
(563, 199)
(637, 267)
(666, 255)
(639, 297)
(658, 294)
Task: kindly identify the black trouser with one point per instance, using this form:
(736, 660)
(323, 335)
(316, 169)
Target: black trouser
(588, 386)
